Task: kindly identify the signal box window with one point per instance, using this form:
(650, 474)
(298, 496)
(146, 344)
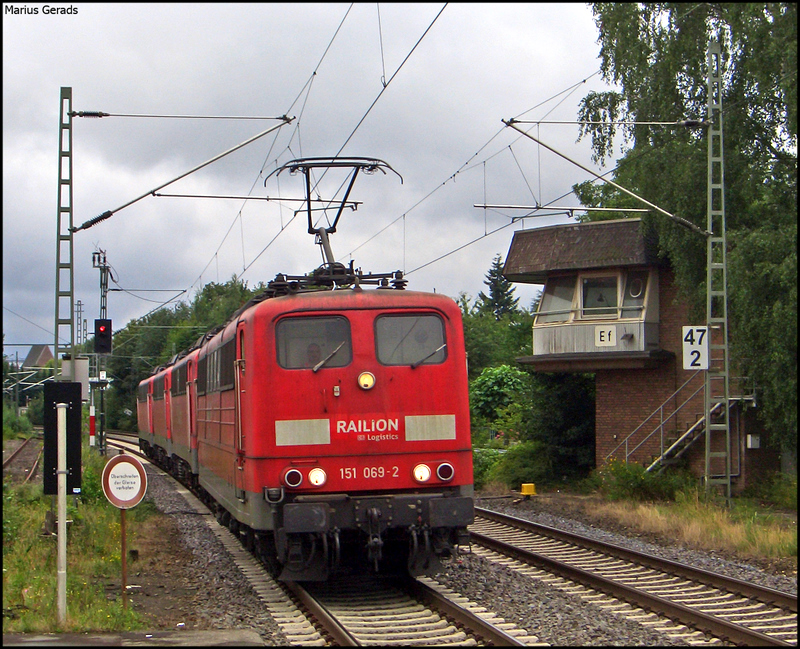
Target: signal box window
(303, 343)
(599, 297)
(410, 340)
(634, 294)
(556, 304)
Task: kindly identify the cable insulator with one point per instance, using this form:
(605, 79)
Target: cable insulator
(93, 221)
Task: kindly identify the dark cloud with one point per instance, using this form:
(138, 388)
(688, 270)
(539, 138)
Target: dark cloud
(438, 123)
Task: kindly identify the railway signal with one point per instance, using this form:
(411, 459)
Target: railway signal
(102, 336)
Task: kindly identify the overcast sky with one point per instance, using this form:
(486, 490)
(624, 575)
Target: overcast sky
(423, 87)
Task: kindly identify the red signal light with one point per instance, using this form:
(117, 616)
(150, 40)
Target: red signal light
(102, 336)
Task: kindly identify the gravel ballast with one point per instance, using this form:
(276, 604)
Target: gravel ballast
(552, 616)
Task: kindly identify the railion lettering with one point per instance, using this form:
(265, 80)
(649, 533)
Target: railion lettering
(367, 425)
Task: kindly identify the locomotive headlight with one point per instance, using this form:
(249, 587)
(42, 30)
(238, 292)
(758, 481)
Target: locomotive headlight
(445, 471)
(293, 478)
(317, 477)
(366, 380)
(422, 473)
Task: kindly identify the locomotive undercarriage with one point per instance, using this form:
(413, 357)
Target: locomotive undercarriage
(323, 535)
(320, 536)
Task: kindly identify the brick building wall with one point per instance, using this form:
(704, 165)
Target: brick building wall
(626, 398)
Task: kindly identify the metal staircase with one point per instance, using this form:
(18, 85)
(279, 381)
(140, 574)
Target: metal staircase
(664, 423)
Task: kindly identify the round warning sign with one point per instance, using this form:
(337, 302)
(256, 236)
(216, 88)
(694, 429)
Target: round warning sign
(124, 481)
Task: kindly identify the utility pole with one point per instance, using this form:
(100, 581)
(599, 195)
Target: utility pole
(99, 261)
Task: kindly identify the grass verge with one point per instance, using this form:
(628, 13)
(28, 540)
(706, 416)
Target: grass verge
(93, 558)
(744, 530)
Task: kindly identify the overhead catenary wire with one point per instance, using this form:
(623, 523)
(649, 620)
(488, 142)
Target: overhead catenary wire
(110, 213)
(361, 121)
(466, 166)
(306, 89)
(97, 114)
(687, 224)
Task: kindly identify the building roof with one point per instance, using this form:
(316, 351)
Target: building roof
(536, 253)
(38, 356)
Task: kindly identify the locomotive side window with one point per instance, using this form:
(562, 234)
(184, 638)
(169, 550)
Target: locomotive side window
(305, 342)
(178, 380)
(158, 388)
(410, 339)
(215, 371)
(202, 373)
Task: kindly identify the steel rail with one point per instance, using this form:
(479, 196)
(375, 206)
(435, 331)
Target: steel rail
(472, 623)
(684, 614)
(7, 462)
(745, 589)
(328, 623)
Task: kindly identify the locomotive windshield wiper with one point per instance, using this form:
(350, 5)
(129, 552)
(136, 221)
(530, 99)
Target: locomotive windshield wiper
(327, 358)
(421, 361)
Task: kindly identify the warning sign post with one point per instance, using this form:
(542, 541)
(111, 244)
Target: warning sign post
(124, 484)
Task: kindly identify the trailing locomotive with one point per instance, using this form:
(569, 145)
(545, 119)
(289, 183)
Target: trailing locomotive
(327, 423)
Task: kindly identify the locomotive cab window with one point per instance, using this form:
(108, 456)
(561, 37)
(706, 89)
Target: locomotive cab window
(305, 342)
(410, 339)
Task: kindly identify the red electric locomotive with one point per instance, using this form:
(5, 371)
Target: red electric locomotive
(328, 423)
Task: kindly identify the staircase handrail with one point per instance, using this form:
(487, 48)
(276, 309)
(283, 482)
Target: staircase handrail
(660, 410)
(660, 426)
(699, 424)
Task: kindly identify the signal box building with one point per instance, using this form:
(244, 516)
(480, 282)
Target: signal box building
(611, 307)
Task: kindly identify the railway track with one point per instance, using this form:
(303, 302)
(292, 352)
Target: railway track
(21, 457)
(364, 610)
(726, 608)
(7, 461)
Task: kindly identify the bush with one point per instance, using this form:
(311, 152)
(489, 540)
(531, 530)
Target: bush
(628, 481)
(782, 491)
(483, 459)
(778, 489)
(14, 426)
(36, 410)
(522, 463)
(91, 475)
(11, 519)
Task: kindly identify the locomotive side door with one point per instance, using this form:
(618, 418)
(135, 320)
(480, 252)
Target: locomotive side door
(150, 426)
(241, 397)
(191, 401)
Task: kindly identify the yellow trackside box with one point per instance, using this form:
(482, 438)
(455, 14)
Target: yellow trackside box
(528, 489)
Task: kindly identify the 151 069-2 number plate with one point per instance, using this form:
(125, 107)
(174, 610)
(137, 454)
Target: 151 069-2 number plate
(369, 472)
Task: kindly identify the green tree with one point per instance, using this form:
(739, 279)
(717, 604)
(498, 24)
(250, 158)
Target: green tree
(491, 342)
(495, 389)
(656, 54)
(501, 300)
(562, 420)
(156, 338)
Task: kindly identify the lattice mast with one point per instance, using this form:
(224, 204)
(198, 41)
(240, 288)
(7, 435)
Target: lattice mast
(717, 384)
(65, 275)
